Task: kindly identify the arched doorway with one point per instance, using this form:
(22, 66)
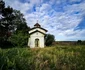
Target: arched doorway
(37, 42)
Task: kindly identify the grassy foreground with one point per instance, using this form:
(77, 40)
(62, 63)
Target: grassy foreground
(50, 58)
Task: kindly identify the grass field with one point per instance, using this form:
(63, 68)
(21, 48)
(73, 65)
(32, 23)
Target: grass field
(58, 57)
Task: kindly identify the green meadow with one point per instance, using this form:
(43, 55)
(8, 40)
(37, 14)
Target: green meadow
(58, 57)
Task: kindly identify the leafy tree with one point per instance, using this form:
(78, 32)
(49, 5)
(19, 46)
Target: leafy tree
(79, 41)
(19, 39)
(2, 6)
(20, 34)
(5, 20)
(19, 21)
(49, 39)
(13, 26)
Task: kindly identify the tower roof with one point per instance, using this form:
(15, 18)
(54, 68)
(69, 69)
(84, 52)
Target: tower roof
(37, 25)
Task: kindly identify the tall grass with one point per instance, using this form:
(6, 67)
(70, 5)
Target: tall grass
(49, 58)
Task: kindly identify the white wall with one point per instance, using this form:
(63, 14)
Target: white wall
(34, 36)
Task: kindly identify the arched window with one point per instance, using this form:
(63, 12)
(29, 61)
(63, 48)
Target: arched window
(37, 42)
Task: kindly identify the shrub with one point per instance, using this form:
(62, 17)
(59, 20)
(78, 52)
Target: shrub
(49, 39)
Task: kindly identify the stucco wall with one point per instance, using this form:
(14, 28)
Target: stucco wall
(34, 36)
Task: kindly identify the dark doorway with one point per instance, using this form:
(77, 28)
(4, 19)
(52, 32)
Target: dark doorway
(36, 42)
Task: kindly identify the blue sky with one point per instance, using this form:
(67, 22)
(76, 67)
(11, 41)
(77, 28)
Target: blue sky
(65, 19)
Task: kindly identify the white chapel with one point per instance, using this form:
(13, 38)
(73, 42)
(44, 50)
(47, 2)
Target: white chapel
(37, 35)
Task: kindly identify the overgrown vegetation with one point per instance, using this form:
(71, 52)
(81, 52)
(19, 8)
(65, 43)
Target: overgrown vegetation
(50, 58)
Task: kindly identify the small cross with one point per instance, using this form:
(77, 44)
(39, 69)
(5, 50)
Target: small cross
(37, 21)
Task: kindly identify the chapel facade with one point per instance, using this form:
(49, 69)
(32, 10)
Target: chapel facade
(37, 36)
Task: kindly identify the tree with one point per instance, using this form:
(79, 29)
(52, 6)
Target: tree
(20, 34)
(19, 39)
(49, 39)
(2, 6)
(5, 20)
(79, 41)
(19, 21)
(13, 26)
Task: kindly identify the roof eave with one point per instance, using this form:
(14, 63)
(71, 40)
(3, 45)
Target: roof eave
(38, 27)
(36, 31)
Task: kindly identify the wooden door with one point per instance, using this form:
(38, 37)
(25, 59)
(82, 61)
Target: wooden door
(36, 42)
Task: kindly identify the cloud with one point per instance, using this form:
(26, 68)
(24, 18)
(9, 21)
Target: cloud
(59, 17)
(45, 7)
(75, 1)
(15, 4)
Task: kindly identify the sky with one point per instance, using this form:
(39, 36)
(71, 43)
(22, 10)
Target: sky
(65, 19)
